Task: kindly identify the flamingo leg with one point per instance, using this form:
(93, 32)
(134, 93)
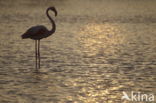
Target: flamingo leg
(36, 52)
(39, 52)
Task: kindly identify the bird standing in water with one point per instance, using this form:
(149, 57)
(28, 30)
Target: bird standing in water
(39, 32)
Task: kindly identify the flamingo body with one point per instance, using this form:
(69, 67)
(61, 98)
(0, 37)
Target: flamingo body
(36, 33)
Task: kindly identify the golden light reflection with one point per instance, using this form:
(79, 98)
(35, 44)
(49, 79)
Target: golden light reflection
(97, 39)
(93, 96)
(93, 92)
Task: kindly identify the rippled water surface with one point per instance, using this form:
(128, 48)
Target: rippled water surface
(100, 49)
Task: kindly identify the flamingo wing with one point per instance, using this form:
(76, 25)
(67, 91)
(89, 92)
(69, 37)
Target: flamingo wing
(35, 31)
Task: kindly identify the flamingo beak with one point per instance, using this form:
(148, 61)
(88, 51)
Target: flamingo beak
(53, 9)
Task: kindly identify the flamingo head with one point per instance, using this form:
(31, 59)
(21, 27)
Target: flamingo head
(53, 9)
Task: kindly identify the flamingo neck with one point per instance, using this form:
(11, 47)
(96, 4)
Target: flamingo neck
(52, 22)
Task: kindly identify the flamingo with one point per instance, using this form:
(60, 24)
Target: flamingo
(39, 32)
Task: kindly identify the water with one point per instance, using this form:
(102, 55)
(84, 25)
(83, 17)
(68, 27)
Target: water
(100, 49)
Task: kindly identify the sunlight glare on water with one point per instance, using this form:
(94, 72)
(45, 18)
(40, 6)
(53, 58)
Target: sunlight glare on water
(100, 38)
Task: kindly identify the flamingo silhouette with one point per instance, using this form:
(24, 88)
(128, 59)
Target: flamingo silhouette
(39, 32)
